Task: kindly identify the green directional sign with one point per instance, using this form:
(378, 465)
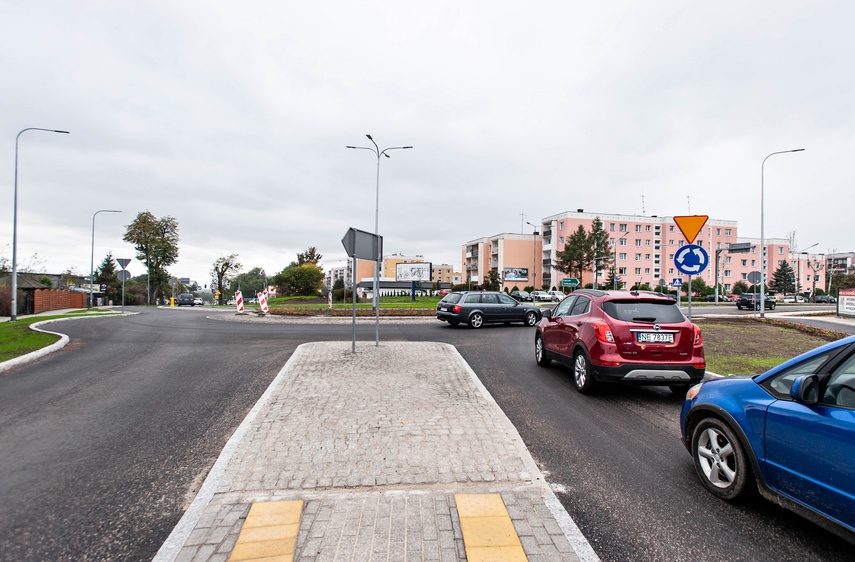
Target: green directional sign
(570, 282)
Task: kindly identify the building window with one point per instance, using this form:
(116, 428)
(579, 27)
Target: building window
(671, 228)
(611, 226)
(647, 271)
(647, 228)
(647, 256)
(718, 232)
(728, 232)
(647, 242)
(727, 260)
(780, 250)
(561, 225)
(727, 273)
(638, 242)
(560, 239)
(622, 255)
(623, 241)
(623, 227)
(638, 271)
(621, 271)
(638, 228)
(637, 257)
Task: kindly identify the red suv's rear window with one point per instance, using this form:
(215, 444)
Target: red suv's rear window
(640, 311)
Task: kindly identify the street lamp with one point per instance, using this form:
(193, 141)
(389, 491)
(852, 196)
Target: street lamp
(14, 312)
(533, 256)
(815, 268)
(799, 270)
(376, 299)
(92, 258)
(762, 234)
(614, 268)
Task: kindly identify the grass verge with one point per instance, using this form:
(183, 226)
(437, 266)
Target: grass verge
(748, 346)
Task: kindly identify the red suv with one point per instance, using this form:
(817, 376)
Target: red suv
(618, 336)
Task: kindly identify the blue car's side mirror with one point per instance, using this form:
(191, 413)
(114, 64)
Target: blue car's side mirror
(804, 389)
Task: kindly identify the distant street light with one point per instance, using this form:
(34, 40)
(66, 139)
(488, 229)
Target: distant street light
(534, 256)
(92, 259)
(762, 234)
(376, 150)
(14, 312)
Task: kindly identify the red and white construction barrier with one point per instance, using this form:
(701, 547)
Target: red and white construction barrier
(262, 302)
(239, 301)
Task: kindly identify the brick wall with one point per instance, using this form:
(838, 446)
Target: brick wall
(48, 299)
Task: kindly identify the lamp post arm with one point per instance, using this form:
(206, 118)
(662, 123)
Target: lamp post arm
(13, 313)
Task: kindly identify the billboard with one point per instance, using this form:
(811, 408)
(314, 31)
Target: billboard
(515, 274)
(413, 271)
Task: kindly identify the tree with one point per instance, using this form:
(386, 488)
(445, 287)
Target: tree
(224, 270)
(613, 280)
(156, 243)
(699, 286)
(571, 259)
(782, 279)
(740, 287)
(306, 279)
(106, 274)
(311, 255)
(493, 280)
(598, 253)
(252, 282)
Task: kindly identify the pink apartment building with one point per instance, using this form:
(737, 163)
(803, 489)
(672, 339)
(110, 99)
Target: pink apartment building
(641, 248)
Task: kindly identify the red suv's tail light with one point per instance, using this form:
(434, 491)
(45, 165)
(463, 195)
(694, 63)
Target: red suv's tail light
(456, 309)
(604, 333)
(698, 339)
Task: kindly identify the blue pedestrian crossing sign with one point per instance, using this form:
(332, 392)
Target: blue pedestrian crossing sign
(691, 259)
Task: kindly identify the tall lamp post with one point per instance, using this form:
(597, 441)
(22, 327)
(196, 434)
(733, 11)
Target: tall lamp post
(534, 256)
(14, 311)
(762, 233)
(92, 258)
(376, 298)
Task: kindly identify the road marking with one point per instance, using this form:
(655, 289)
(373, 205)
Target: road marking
(488, 532)
(270, 531)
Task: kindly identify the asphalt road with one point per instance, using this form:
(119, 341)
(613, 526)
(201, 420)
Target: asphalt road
(103, 444)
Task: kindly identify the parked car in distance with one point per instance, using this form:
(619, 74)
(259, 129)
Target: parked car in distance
(721, 298)
(620, 336)
(824, 299)
(542, 296)
(558, 295)
(198, 301)
(522, 296)
(231, 302)
(787, 433)
(794, 299)
(477, 308)
(749, 300)
(185, 299)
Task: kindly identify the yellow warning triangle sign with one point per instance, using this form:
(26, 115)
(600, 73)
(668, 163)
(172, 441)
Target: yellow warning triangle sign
(691, 225)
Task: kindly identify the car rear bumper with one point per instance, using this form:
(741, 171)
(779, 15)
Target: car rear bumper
(648, 374)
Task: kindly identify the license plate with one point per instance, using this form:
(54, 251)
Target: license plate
(655, 337)
(443, 309)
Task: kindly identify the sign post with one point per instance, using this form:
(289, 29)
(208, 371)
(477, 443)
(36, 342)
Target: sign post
(693, 256)
(364, 246)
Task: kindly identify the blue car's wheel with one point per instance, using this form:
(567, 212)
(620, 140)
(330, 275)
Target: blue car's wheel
(721, 461)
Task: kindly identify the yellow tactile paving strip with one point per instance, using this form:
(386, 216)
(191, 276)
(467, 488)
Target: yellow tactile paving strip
(269, 532)
(488, 533)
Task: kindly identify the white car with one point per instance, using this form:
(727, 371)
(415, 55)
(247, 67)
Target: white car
(542, 296)
(557, 295)
(198, 302)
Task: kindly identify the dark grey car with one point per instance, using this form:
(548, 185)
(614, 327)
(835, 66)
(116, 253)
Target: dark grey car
(479, 307)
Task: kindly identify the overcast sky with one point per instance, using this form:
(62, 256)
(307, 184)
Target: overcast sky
(233, 118)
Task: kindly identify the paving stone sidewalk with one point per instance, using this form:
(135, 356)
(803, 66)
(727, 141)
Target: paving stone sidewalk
(376, 443)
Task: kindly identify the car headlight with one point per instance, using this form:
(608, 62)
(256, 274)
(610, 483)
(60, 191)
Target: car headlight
(693, 391)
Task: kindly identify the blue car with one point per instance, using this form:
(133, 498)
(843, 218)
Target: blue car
(788, 434)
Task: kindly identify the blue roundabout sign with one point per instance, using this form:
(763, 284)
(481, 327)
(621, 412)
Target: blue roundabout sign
(691, 259)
